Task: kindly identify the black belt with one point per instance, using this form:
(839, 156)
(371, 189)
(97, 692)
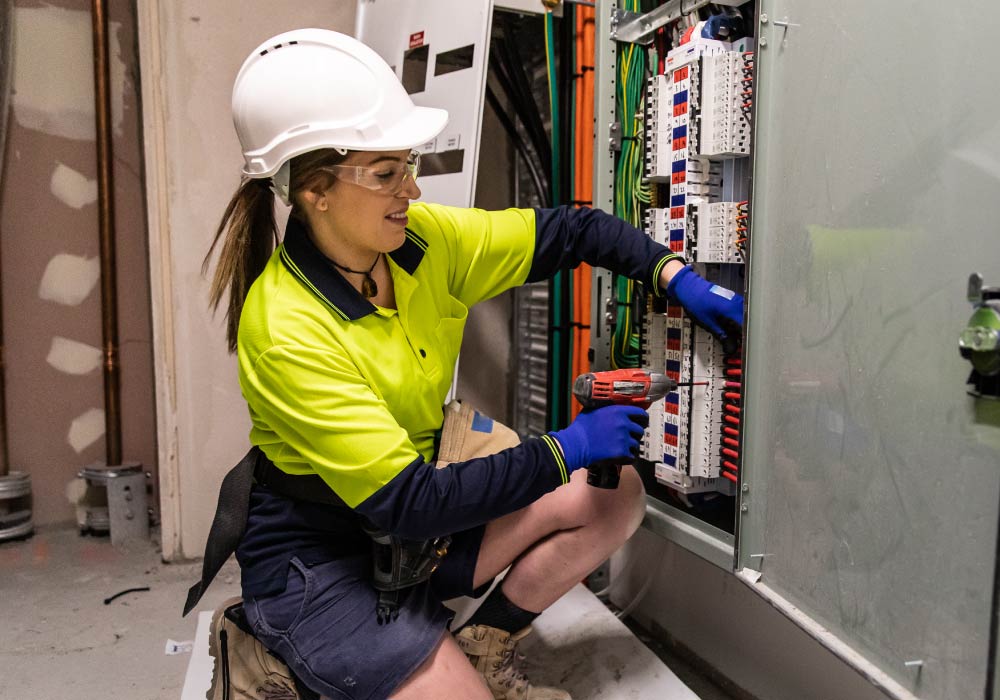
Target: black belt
(299, 487)
(231, 513)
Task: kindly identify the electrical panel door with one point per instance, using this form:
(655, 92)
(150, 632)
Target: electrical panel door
(871, 471)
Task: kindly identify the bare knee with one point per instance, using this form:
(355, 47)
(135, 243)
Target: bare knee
(632, 500)
(446, 674)
(613, 509)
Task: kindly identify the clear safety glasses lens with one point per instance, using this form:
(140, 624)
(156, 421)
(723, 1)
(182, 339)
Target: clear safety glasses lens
(378, 178)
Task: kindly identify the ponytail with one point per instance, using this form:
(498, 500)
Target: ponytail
(251, 234)
(250, 237)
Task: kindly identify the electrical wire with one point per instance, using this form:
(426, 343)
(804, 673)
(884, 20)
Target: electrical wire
(583, 173)
(631, 194)
(519, 143)
(557, 394)
(643, 590)
(520, 88)
(508, 67)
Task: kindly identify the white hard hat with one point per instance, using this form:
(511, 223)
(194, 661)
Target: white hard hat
(313, 88)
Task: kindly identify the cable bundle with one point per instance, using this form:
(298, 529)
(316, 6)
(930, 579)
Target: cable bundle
(631, 192)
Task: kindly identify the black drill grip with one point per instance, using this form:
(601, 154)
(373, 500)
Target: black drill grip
(605, 474)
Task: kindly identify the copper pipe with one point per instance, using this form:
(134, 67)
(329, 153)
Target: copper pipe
(4, 453)
(6, 36)
(106, 221)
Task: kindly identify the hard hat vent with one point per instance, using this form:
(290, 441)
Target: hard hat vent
(277, 46)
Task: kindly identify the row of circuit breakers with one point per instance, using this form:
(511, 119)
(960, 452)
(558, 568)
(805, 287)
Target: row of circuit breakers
(698, 142)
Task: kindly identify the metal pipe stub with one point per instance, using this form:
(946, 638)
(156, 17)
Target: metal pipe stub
(126, 514)
(15, 506)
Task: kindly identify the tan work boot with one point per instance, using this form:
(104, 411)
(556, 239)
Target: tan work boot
(242, 663)
(491, 650)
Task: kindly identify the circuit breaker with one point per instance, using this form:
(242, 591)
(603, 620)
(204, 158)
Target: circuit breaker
(697, 137)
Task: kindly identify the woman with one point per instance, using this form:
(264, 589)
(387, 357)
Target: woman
(347, 337)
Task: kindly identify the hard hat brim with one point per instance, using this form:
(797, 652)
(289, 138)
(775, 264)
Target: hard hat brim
(417, 129)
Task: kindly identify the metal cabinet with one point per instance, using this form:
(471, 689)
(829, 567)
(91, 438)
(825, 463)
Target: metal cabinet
(868, 507)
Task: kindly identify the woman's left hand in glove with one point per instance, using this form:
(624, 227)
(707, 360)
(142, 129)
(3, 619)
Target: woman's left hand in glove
(718, 309)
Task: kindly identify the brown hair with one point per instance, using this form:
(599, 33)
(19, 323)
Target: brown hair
(249, 234)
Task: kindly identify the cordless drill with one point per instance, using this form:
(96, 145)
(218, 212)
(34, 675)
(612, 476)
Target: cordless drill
(624, 387)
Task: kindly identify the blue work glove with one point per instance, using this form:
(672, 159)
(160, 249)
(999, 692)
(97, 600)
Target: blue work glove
(718, 309)
(609, 432)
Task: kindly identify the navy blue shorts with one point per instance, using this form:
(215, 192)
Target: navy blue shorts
(323, 624)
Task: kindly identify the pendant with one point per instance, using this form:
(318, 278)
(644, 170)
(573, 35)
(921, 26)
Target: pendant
(368, 287)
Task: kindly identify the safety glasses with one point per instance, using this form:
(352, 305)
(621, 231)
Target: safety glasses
(385, 178)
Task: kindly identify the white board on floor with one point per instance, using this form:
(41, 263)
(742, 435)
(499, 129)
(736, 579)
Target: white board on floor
(577, 645)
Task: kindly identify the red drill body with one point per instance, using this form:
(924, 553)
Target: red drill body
(635, 387)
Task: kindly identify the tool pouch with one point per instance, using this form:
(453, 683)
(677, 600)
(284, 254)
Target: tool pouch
(400, 564)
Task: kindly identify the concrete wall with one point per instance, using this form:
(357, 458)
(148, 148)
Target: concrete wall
(50, 271)
(190, 52)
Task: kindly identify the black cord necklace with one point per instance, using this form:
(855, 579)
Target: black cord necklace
(368, 286)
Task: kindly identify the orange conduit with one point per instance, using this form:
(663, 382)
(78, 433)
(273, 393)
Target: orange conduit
(583, 185)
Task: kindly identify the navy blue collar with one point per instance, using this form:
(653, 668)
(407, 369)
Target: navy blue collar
(304, 260)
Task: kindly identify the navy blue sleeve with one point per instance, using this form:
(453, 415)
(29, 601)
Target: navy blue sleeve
(567, 236)
(423, 502)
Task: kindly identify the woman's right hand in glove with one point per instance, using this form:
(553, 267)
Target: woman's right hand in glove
(609, 432)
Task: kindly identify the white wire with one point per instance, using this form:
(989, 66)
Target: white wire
(643, 590)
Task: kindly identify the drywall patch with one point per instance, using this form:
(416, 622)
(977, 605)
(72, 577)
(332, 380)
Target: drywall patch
(53, 83)
(69, 279)
(86, 429)
(72, 188)
(73, 357)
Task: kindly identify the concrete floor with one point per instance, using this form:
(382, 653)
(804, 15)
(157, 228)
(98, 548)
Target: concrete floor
(60, 639)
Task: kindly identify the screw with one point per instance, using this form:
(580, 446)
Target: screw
(763, 18)
(129, 515)
(744, 508)
(746, 488)
(763, 41)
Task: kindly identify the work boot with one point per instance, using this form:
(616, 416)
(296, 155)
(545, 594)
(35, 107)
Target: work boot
(242, 668)
(492, 650)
